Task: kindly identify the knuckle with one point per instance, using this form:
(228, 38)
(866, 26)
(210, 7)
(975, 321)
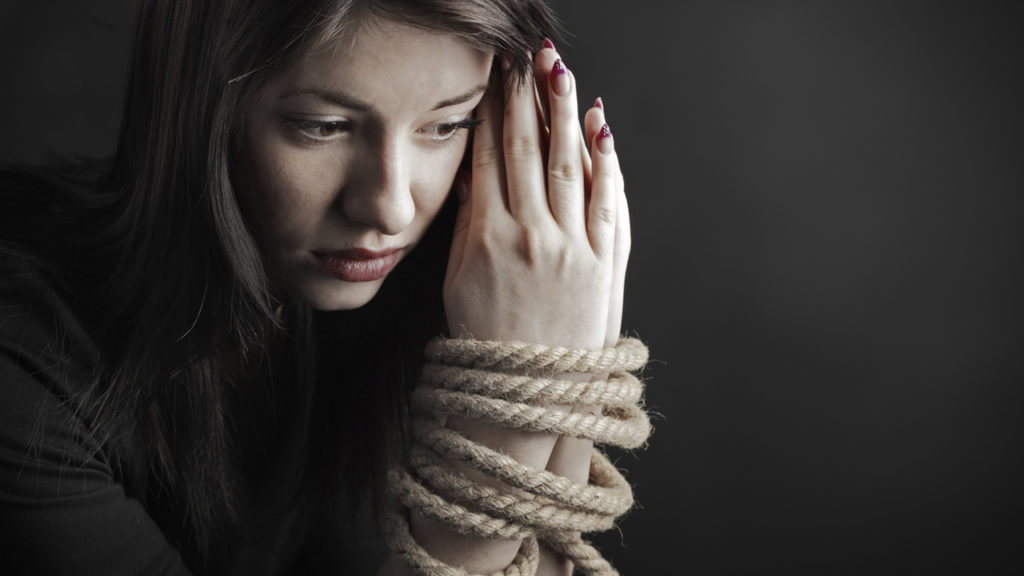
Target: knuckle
(564, 171)
(605, 215)
(490, 244)
(485, 156)
(534, 244)
(521, 146)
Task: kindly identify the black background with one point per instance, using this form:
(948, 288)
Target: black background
(826, 200)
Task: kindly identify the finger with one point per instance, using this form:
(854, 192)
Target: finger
(488, 178)
(602, 217)
(623, 241)
(592, 122)
(524, 164)
(609, 179)
(543, 61)
(565, 168)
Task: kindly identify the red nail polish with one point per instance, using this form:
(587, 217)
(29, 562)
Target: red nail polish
(599, 104)
(559, 79)
(549, 44)
(604, 140)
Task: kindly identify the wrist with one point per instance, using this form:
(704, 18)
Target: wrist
(470, 393)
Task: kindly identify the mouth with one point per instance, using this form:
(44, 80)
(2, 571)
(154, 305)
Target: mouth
(359, 264)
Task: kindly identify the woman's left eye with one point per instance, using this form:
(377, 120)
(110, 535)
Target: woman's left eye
(448, 130)
(320, 130)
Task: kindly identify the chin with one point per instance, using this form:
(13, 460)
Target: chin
(329, 295)
(309, 284)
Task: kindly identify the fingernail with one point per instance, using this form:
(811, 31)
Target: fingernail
(559, 78)
(549, 44)
(599, 104)
(604, 140)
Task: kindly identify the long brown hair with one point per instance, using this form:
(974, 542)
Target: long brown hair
(167, 279)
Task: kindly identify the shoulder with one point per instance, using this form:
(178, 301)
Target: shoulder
(36, 323)
(62, 508)
(38, 329)
(42, 352)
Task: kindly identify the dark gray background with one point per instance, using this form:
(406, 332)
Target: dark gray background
(827, 264)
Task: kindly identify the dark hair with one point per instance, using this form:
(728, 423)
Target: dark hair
(153, 253)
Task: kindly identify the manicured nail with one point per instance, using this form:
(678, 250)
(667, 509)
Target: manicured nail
(559, 79)
(604, 140)
(599, 104)
(549, 44)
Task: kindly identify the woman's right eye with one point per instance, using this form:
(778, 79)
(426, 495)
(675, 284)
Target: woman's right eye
(320, 130)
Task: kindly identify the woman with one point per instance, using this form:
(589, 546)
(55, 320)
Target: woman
(208, 344)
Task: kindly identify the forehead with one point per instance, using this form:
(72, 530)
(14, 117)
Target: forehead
(391, 65)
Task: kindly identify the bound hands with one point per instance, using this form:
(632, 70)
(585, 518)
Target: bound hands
(539, 255)
(542, 235)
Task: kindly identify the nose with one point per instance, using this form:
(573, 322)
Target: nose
(379, 193)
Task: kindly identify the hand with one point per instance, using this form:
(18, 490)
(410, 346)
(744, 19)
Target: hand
(542, 236)
(539, 255)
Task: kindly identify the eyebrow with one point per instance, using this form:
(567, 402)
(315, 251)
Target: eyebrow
(461, 98)
(346, 101)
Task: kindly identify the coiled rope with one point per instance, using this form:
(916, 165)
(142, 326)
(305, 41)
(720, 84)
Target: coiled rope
(515, 384)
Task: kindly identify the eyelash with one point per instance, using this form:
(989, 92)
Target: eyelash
(450, 129)
(436, 132)
(307, 128)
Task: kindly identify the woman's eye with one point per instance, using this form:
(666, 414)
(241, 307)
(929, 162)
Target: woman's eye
(321, 130)
(447, 130)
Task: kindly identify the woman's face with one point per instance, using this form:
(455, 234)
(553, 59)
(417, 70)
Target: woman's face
(346, 157)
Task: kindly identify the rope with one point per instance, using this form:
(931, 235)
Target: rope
(627, 427)
(618, 390)
(607, 488)
(400, 540)
(627, 356)
(515, 384)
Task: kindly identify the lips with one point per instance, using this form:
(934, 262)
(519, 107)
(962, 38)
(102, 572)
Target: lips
(359, 264)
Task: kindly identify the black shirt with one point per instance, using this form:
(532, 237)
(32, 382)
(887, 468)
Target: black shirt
(64, 510)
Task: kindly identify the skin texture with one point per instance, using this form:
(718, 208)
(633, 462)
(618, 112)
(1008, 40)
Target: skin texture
(542, 234)
(363, 178)
(539, 254)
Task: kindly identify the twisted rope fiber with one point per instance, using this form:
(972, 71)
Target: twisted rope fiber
(524, 358)
(609, 492)
(529, 511)
(411, 494)
(585, 557)
(627, 427)
(502, 382)
(619, 390)
(400, 540)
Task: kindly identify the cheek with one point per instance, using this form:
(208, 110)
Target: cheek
(283, 194)
(436, 181)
